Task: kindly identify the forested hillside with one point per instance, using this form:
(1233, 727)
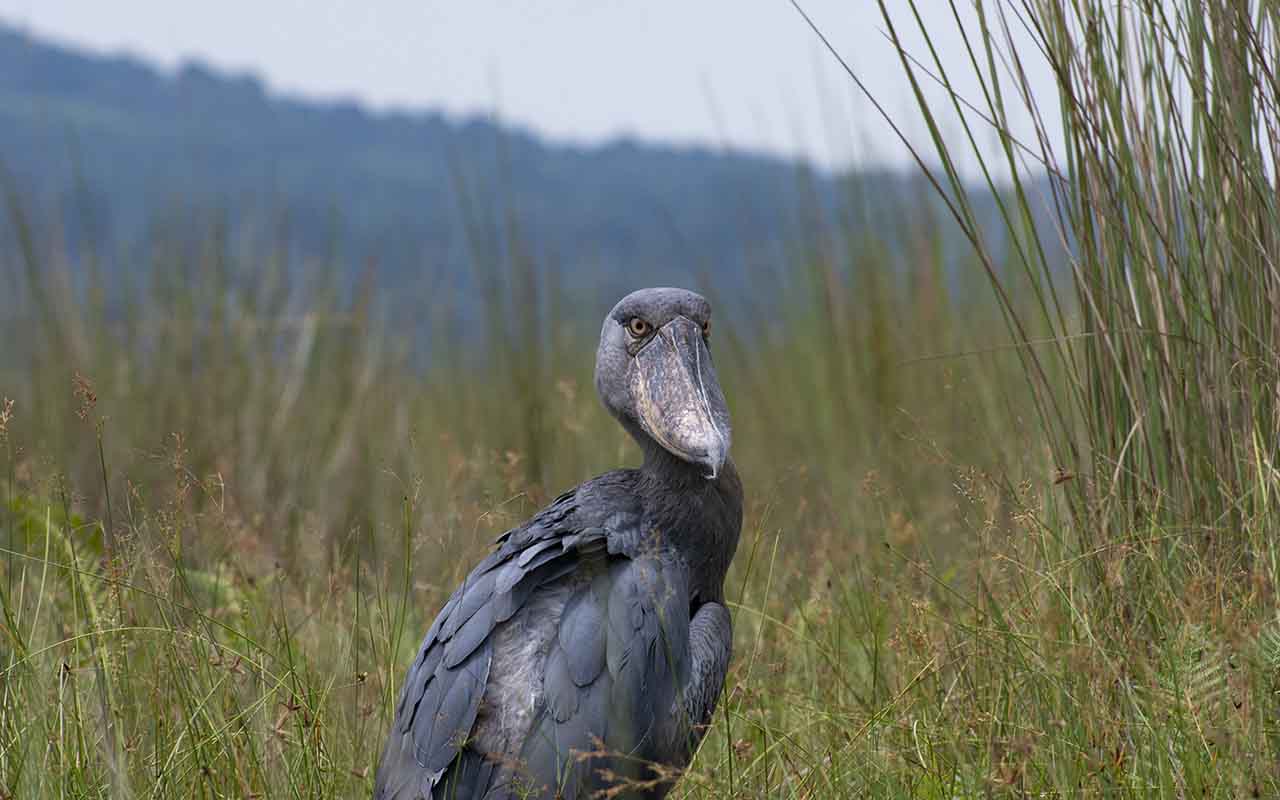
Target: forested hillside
(111, 147)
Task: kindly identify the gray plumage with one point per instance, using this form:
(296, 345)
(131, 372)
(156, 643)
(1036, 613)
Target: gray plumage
(594, 640)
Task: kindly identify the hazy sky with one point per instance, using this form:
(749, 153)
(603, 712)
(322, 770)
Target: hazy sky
(744, 73)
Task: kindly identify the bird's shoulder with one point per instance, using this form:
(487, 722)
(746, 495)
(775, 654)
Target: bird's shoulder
(607, 509)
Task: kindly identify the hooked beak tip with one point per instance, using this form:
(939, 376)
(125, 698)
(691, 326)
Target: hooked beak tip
(714, 465)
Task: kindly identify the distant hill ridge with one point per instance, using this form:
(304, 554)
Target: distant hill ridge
(112, 144)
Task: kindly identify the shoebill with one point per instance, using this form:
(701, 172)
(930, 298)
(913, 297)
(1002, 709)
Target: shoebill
(588, 650)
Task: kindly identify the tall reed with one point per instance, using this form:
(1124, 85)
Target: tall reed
(1162, 198)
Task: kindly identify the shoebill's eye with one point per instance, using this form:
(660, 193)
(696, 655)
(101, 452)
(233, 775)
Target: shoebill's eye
(637, 327)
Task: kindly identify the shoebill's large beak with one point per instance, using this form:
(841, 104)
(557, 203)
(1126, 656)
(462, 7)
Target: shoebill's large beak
(678, 399)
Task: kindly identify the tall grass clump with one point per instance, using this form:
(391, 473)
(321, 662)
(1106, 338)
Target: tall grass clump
(1144, 244)
(1162, 195)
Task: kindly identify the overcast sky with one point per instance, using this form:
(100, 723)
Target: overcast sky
(742, 73)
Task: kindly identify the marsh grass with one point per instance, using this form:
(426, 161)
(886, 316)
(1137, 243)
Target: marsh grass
(212, 500)
(1012, 542)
